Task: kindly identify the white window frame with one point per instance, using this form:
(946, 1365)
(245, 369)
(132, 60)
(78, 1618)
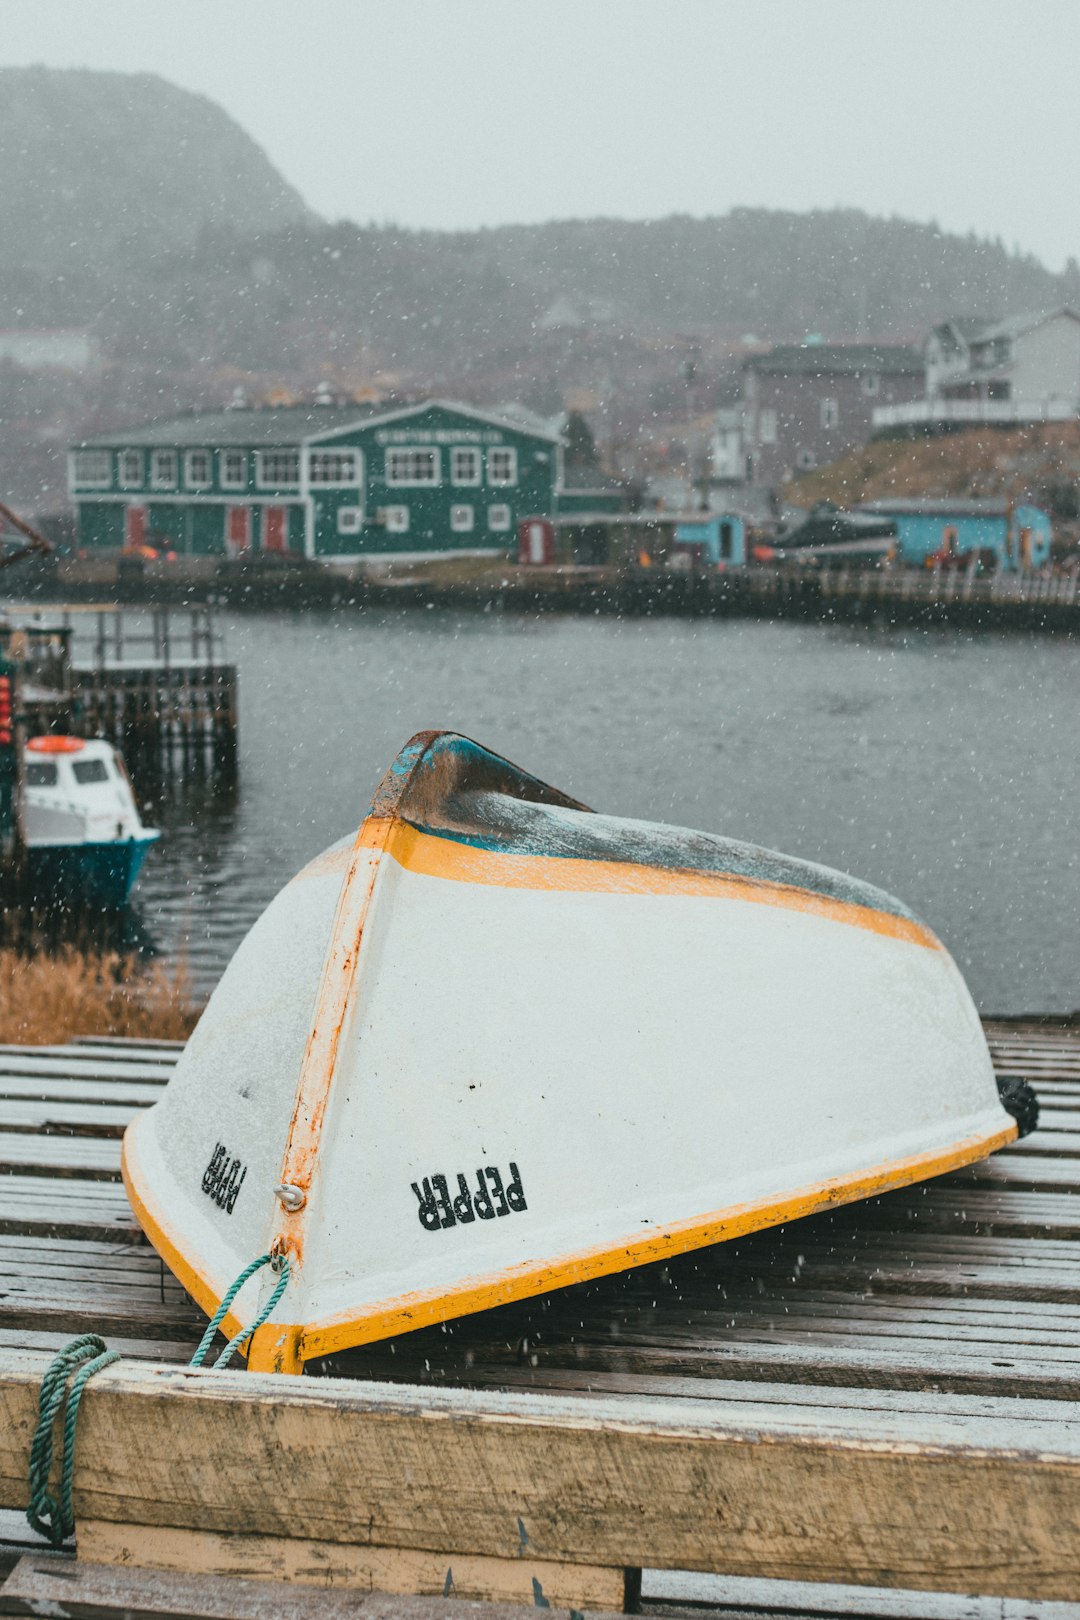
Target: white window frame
(510, 481)
(350, 519)
(261, 458)
(767, 425)
(462, 519)
(475, 478)
(871, 384)
(190, 481)
(393, 477)
(396, 519)
(159, 479)
(499, 518)
(350, 481)
(223, 463)
(101, 459)
(829, 413)
(125, 479)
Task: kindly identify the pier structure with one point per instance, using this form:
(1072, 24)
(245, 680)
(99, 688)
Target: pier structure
(154, 681)
(1032, 601)
(855, 1415)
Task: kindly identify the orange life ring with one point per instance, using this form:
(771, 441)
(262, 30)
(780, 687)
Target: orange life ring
(56, 745)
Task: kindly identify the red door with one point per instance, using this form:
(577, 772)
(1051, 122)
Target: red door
(275, 535)
(134, 527)
(237, 529)
(536, 542)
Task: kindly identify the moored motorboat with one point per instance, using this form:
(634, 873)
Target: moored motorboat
(496, 1044)
(85, 840)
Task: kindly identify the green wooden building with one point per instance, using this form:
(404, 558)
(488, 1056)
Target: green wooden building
(323, 481)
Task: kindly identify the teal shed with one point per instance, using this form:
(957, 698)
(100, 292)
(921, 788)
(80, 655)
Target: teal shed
(927, 531)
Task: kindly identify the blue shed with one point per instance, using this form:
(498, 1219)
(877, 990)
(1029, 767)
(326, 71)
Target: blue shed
(930, 531)
(718, 539)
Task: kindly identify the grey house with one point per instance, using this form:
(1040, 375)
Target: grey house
(805, 404)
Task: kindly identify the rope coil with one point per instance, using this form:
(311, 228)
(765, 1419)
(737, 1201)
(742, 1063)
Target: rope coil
(55, 1520)
(51, 1518)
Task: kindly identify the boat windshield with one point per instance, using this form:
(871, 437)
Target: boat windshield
(90, 770)
(39, 773)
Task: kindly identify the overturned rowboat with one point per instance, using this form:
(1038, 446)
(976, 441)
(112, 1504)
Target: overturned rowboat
(497, 1044)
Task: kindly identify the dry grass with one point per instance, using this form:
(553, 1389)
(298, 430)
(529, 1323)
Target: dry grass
(46, 999)
(1002, 463)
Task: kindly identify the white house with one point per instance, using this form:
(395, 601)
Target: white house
(726, 456)
(49, 349)
(1025, 368)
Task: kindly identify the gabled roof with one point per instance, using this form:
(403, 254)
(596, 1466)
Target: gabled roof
(829, 359)
(1014, 325)
(960, 330)
(971, 329)
(271, 425)
(494, 418)
(958, 506)
(289, 424)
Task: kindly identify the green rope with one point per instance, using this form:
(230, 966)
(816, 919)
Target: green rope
(56, 1520)
(52, 1519)
(230, 1294)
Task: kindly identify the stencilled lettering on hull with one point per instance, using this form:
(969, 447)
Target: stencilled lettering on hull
(486, 1199)
(223, 1178)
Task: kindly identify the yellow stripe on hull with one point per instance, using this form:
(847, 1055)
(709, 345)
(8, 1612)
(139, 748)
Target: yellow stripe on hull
(423, 1309)
(433, 856)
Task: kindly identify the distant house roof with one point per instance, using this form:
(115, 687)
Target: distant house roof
(983, 329)
(831, 359)
(958, 506)
(1013, 325)
(283, 424)
(288, 424)
(960, 330)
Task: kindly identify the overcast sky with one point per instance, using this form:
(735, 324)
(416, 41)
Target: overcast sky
(476, 112)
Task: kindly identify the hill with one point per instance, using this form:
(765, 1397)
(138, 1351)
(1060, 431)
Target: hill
(1039, 464)
(103, 171)
(440, 301)
(124, 196)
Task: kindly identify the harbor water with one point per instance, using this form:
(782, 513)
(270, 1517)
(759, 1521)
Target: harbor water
(942, 766)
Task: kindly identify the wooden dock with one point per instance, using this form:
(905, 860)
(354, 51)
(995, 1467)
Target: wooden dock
(155, 682)
(902, 596)
(829, 1419)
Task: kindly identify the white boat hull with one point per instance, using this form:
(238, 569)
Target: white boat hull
(492, 1073)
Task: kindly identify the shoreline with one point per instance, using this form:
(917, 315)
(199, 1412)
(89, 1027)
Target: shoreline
(1042, 602)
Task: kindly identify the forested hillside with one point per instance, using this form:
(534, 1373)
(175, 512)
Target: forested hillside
(146, 211)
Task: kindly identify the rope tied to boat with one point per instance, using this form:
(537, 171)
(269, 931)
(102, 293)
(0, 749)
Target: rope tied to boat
(230, 1294)
(55, 1519)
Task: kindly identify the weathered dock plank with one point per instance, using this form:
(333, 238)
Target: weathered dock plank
(950, 1308)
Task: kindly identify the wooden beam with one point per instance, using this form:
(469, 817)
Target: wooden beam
(83, 1591)
(342, 1565)
(974, 1498)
